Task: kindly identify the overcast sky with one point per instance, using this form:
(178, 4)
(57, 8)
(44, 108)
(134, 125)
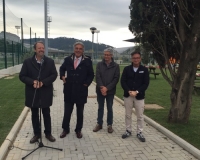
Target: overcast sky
(73, 18)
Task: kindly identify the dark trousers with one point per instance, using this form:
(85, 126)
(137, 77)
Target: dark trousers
(47, 120)
(109, 101)
(67, 116)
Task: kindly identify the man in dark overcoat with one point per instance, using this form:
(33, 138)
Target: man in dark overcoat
(39, 92)
(77, 74)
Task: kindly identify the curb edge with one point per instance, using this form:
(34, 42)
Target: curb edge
(13, 133)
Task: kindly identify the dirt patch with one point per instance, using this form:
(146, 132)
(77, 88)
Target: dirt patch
(92, 96)
(153, 106)
(10, 77)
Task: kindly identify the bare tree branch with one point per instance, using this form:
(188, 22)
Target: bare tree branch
(173, 22)
(181, 15)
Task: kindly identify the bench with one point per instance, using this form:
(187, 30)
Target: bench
(152, 71)
(155, 74)
(196, 89)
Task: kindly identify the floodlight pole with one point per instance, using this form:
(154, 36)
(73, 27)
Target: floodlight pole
(46, 27)
(4, 28)
(92, 29)
(97, 31)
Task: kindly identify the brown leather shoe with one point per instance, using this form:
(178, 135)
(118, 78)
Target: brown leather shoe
(64, 133)
(97, 128)
(50, 138)
(110, 130)
(34, 139)
(79, 135)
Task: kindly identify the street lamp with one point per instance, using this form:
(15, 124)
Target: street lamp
(18, 27)
(97, 31)
(92, 29)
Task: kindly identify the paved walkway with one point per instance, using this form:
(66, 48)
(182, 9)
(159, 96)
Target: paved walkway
(95, 146)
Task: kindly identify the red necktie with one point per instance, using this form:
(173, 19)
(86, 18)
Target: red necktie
(75, 63)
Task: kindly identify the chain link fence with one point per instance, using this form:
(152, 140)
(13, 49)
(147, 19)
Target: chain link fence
(15, 49)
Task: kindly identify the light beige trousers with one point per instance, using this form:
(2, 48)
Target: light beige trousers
(129, 103)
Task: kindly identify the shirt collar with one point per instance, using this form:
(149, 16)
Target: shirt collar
(79, 58)
(37, 60)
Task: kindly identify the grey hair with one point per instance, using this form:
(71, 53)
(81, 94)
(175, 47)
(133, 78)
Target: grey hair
(79, 43)
(109, 50)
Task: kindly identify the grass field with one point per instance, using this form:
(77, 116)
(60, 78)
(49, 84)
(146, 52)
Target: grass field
(12, 103)
(159, 93)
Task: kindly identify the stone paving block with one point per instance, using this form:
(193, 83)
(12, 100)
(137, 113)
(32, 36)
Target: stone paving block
(104, 153)
(133, 156)
(143, 156)
(45, 158)
(71, 156)
(99, 149)
(162, 157)
(65, 159)
(147, 149)
(120, 158)
(123, 155)
(114, 154)
(17, 156)
(147, 154)
(95, 153)
(90, 157)
(100, 157)
(108, 150)
(117, 151)
(110, 158)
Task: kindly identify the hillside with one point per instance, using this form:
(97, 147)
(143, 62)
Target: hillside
(64, 43)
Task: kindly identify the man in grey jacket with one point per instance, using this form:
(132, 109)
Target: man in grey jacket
(107, 77)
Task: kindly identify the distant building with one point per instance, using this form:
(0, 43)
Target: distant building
(124, 51)
(10, 37)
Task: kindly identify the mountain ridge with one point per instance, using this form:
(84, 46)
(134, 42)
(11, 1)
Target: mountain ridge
(65, 43)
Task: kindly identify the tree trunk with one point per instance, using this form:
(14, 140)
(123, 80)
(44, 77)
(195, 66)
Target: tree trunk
(182, 88)
(181, 94)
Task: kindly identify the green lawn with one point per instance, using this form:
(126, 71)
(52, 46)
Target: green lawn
(159, 93)
(11, 104)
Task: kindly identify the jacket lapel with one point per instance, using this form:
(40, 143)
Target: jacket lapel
(34, 62)
(36, 65)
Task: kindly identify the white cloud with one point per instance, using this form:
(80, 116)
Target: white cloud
(73, 18)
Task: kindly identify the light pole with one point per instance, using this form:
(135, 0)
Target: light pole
(97, 31)
(46, 27)
(92, 29)
(18, 27)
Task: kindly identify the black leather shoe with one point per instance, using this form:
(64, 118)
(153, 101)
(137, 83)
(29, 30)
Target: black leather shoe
(79, 135)
(64, 133)
(34, 139)
(50, 138)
